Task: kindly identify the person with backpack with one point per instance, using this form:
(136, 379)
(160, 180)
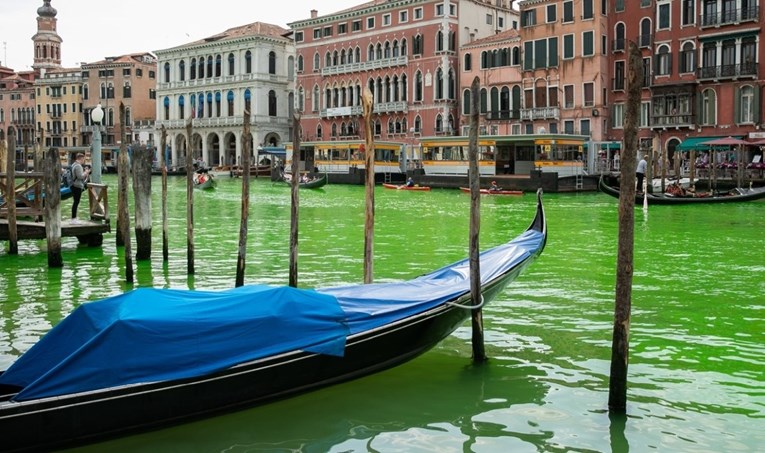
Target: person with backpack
(79, 178)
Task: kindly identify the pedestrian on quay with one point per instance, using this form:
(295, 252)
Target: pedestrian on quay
(79, 180)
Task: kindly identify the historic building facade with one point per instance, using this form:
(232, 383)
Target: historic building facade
(17, 107)
(59, 107)
(405, 52)
(128, 80)
(213, 81)
(702, 71)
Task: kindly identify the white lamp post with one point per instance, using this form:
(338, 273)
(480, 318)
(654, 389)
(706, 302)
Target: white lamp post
(96, 115)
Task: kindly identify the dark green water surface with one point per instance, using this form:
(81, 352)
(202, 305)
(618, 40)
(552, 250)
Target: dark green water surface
(697, 363)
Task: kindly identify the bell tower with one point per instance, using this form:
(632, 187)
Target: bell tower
(47, 42)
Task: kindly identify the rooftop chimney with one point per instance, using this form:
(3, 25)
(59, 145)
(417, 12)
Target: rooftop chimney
(314, 14)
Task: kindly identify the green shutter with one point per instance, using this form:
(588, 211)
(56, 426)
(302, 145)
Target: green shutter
(528, 55)
(553, 52)
(757, 104)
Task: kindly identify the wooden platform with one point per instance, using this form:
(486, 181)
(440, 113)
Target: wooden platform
(36, 230)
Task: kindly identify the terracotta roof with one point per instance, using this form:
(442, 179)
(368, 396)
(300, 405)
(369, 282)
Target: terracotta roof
(506, 35)
(253, 29)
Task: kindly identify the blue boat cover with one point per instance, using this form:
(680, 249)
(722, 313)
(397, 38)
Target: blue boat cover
(151, 335)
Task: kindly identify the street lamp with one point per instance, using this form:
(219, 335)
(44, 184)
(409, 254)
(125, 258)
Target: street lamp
(96, 115)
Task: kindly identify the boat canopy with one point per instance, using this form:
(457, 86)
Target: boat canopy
(150, 335)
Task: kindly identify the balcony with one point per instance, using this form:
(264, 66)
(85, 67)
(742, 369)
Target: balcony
(365, 66)
(540, 113)
(357, 110)
(503, 115)
(733, 16)
(676, 121)
(727, 71)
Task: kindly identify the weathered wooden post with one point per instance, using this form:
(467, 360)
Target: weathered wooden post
(295, 205)
(142, 159)
(123, 211)
(52, 180)
(163, 167)
(189, 201)
(242, 256)
(10, 193)
(367, 102)
(479, 351)
(39, 153)
(3, 155)
(617, 394)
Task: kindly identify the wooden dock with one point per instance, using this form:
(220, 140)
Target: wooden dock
(81, 229)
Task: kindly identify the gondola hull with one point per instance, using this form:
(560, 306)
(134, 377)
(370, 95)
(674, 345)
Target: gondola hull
(73, 419)
(743, 195)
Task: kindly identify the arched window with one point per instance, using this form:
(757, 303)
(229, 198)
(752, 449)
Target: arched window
(248, 100)
(484, 101)
(439, 41)
(451, 84)
(181, 108)
(494, 103)
(217, 104)
(126, 90)
(403, 48)
(386, 50)
(301, 99)
(231, 64)
(167, 72)
(466, 102)
(417, 45)
(404, 87)
(418, 87)
(271, 103)
(182, 70)
(230, 103)
(291, 68)
(218, 66)
(316, 62)
(688, 58)
(319, 134)
(644, 40)
(516, 56)
(193, 69)
(210, 67)
(201, 68)
(166, 108)
(663, 61)
(417, 124)
(439, 123)
(504, 103)
(300, 63)
(248, 62)
(708, 107)
(272, 62)
(371, 52)
(484, 60)
(619, 42)
(439, 84)
(467, 63)
(745, 113)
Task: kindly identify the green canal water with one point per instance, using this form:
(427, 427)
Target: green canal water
(697, 363)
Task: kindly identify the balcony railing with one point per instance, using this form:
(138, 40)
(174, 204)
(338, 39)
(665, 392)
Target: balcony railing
(540, 113)
(680, 120)
(357, 110)
(732, 16)
(504, 115)
(365, 66)
(727, 71)
(618, 45)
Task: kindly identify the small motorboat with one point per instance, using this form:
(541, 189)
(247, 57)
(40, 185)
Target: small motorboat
(405, 187)
(494, 191)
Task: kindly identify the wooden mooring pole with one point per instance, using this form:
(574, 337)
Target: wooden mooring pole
(142, 160)
(52, 168)
(369, 225)
(163, 167)
(617, 394)
(10, 193)
(295, 197)
(246, 150)
(189, 201)
(479, 351)
(123, 209)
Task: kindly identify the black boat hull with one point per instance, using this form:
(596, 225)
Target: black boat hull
(746, 195)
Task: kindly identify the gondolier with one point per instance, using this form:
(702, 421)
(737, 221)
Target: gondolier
(640, 172)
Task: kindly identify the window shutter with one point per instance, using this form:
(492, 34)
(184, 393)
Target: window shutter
(757, 104)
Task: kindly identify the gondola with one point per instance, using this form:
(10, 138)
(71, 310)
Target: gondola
(733, 196)
(494, 192)
(405, 187)
(315, 183)
(153, 357)
(203, 179)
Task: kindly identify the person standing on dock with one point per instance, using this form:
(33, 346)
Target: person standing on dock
(79, 177)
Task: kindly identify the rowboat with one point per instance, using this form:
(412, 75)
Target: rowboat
(405, 187)
(494, 192)
(733, 196)
(153, 357)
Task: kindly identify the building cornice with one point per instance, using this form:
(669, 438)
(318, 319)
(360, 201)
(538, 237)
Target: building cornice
(352, 13)
(185, 49)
